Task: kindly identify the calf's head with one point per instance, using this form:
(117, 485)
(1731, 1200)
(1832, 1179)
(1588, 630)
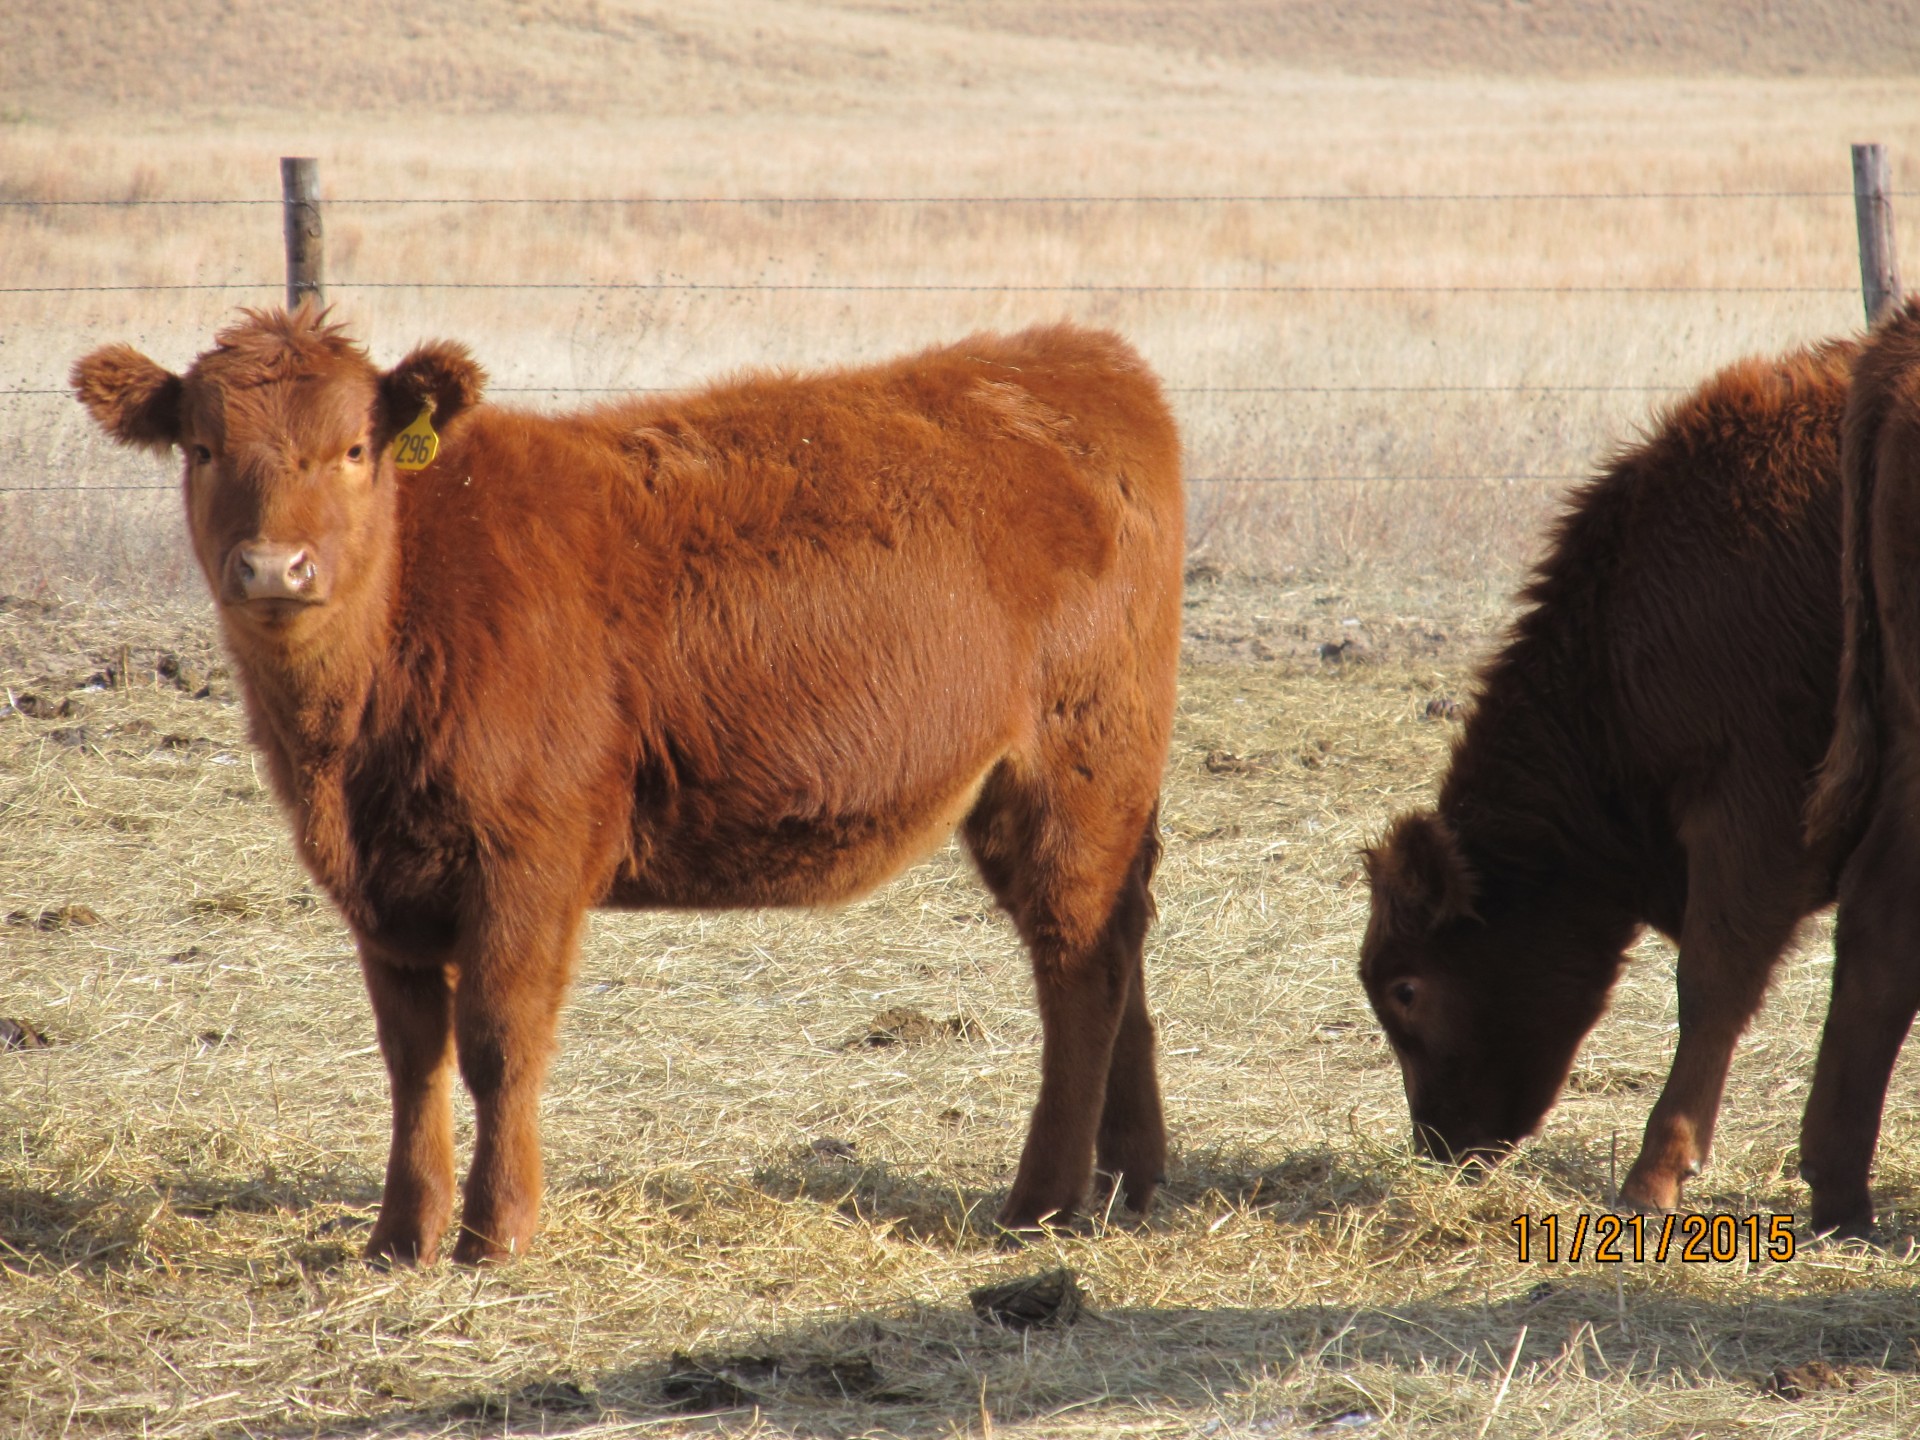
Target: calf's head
(285, 428)
(1484, 1011)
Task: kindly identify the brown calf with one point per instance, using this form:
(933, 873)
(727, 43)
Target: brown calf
(1865, 814)
(765, 644)
(1638, 755)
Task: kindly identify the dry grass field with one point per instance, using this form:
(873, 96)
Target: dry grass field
(760, 1223)
(738, 1178)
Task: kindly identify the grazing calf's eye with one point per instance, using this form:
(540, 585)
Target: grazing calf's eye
(357, 453)
(1405, 993)
(202, 455)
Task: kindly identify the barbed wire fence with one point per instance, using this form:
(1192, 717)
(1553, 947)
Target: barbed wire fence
(303, 226)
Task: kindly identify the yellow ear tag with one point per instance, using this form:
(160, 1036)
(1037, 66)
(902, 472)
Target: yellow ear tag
(415, 446)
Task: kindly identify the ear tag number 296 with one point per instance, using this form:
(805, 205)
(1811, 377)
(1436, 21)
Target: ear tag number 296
(415, 446)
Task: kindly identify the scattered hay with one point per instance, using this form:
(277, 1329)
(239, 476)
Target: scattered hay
(1797, 1382)
(734, 1381)
(1225, 762)
(189, 1177)
(66, 917)
(564, 1399)
(1586, 1080)
(233, 904)
(904, 1025)
(1052, 1298)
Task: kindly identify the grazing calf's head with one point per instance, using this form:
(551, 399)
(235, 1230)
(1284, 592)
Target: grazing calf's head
(1484, 1013)
(285, 426)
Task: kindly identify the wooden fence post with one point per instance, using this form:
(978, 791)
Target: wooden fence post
(1873, 211)
(300, 207)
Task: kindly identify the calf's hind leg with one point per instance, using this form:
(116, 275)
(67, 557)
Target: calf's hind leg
(1876, 992)
(1131, 1147)
(1079, 898)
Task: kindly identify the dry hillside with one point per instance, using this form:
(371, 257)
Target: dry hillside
(188, 58)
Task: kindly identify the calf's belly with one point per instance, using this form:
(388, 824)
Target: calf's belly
(823, 860)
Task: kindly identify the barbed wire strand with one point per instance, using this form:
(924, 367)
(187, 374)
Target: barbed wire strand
(1356, 478)
(904, 288)
(67, 393)
(1299, 198)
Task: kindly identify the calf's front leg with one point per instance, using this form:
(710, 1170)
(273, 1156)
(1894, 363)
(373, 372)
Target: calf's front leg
(506, 1007)
(413, 1016)
(1742, 907)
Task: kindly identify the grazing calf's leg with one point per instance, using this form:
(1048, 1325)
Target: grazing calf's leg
(1079, 897)
(1876, 991)
(1742, 907)
(1132, 1144)
(413, 1016)
(505, 1012)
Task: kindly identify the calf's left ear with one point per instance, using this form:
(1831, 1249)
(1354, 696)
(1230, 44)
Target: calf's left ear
(1419, 876)
(134, 400)
(441, 376)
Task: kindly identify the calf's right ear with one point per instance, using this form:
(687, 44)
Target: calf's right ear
(1419, 877)
(134, 400)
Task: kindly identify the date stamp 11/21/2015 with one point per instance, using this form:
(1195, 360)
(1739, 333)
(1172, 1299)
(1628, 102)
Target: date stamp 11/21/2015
(1616, 1239)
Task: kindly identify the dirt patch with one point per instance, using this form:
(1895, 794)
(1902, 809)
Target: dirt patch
(39, 707)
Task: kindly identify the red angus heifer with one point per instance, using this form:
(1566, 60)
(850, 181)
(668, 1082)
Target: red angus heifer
(765, 644)
(1866, 811)
(1638, 755)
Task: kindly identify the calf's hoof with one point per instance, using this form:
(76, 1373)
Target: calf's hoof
(1864, 1233)
(1849, 1222)
(1136, 1194)
(1022, 1223)
(393, 1251)
(1656, 1196)
(474, 1248)
(1841, 1211)
(1018, 1237)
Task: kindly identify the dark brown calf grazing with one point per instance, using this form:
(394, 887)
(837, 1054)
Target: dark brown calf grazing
(1638, 755)
(1865, 813)
(765, 644)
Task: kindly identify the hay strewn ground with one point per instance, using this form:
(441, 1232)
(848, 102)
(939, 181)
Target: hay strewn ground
(752, 1206)
(738, 1180)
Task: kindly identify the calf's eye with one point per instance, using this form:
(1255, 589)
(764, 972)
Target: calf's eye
(1404, 993)
(357, 453)
(202, 455)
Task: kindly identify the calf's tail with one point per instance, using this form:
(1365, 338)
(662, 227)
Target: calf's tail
(1844, 786)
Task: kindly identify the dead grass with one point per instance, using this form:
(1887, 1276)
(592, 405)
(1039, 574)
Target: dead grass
(190, 1166)
(749, 100)
(746, 1209)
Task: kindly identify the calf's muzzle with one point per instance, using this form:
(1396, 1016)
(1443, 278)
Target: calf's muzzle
(263, 571)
